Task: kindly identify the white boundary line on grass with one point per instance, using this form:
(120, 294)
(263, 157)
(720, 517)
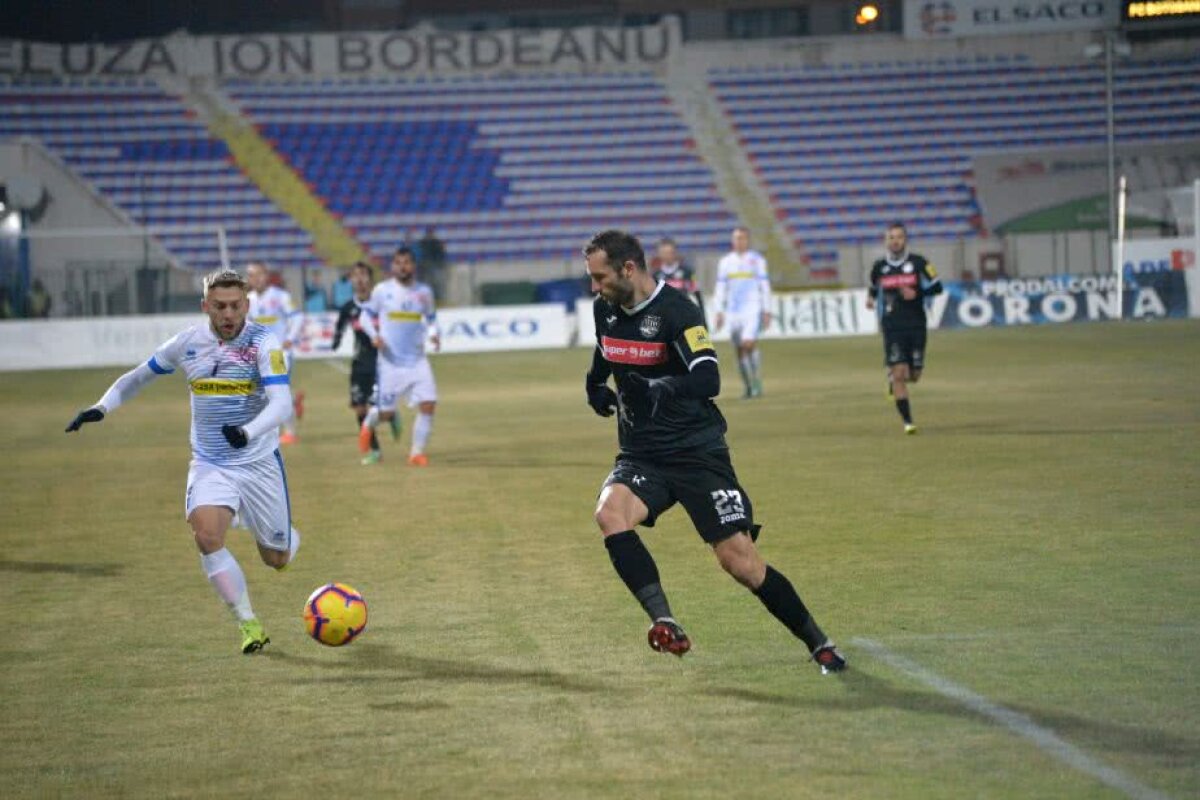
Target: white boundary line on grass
(337, 365)
(1045, 739)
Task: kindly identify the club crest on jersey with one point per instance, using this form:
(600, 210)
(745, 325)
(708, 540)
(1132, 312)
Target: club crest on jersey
(650, 325)
(908, 267)
(610, 320)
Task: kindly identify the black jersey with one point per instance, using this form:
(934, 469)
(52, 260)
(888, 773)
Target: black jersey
(664, 335)
(889, 277)
(364, 348)
(680, 276)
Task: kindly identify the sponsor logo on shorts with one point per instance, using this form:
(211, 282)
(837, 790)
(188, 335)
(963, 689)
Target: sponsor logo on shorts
(697, 338)
(638, 480)
(278, 363)
(624, 351)
(404, 316)
(278, 536)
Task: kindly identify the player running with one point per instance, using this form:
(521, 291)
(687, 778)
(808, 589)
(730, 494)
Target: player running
(672, 448)
(238, 379)
(272, 307)
(400, 318)
(900, 282)
(743, 292)
(362, 367)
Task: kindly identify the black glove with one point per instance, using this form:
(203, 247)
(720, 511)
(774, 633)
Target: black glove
(236, 436)
(656, 390)
(602, 399)
(83, 417)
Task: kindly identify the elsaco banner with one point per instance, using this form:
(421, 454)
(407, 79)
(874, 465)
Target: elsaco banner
(945, 19)
(1059, 298)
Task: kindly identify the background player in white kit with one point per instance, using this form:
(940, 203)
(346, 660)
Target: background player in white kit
(743, 292)
(400, 317)
(272, 307)
(238, 380)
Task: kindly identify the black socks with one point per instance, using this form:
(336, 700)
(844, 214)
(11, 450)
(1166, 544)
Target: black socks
(780, 598)
(637, 569)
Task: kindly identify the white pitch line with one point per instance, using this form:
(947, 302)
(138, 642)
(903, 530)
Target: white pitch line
(338, 365)
(1045, 739)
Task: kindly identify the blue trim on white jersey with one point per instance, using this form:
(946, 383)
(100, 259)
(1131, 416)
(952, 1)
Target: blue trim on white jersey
(287, 498)
(272, 380)
(159, 368)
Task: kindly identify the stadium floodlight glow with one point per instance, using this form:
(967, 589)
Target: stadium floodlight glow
(867, 13)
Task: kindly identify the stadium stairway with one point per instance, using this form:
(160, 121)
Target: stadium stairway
(275, 177)
(740, 185)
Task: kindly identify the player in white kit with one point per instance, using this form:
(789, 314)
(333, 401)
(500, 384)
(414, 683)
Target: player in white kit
(399, 318)
(272, 307)
(743, 293)
(238, 379)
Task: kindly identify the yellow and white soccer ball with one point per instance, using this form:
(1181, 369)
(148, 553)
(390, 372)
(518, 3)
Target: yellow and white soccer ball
(335, 614)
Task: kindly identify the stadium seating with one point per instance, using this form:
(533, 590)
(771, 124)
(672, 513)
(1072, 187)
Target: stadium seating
(142, 149)
(504, 168)
(844, 149)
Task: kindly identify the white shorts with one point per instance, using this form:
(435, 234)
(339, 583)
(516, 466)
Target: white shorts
(744, 326)
(257, 493)
(415, 382)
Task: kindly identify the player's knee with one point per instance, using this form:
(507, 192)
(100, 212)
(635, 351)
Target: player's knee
(427, 408)
(278, 559)
(610, 519)
(208, 539)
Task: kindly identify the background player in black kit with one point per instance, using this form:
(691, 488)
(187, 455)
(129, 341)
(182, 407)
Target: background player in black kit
(362, 367)
(675, 272)
(900, 282)
(652, 340)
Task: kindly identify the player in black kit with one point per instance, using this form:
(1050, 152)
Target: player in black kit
(676, 272)
(653, 341)
(362, 367)
(900, 282)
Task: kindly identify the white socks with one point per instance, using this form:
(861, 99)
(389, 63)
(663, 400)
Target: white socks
(295, 545)
(422, 427)
(226, 576)
(372, 418)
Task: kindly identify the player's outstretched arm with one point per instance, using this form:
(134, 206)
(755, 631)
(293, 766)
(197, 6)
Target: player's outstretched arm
(123, 390)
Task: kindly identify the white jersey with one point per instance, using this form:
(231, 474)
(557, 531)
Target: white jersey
(273, 309)
(402, 316)
(226, 381)
(743, 286)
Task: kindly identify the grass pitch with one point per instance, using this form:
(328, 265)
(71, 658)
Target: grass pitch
(1037, 544)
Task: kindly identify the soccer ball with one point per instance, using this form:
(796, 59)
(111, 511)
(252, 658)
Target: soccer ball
(335, 614)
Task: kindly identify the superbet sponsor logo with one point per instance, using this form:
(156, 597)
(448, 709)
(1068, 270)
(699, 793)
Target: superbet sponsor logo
(623, 351)
(898, 281)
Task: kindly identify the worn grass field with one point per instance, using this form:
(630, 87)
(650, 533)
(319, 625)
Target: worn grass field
(1038, 546)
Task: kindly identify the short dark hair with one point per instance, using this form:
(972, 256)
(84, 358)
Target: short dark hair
(898, 224)
(362, 265)
(403, 250)
(666, 240)
(222, 278)
(619, 246)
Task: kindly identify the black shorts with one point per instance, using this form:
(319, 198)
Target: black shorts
(702, 481)
(904, 346)
(362, 386)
